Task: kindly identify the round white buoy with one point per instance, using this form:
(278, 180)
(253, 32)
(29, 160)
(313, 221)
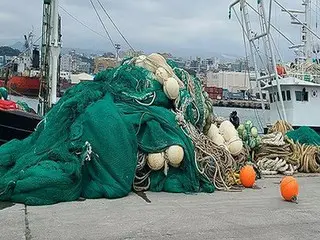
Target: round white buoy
(171, 88)
(227, 130)
(175, 155)
(155, 161)
(213, 131)
(161, 75)
(235, 146)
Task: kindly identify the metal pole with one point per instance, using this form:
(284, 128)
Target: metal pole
(246, 20)
(274, 63)
(118, 46)
(274, 27)
(293, 16)
(308, 35)
(55, 51)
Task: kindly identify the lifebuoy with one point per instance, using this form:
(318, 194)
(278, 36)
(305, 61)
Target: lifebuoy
(314, 93)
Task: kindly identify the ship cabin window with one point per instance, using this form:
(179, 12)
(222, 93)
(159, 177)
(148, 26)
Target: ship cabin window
(271, 97)
(302, 95)
(283, 95)
(263, 96)
(288, 95)
(298, 96)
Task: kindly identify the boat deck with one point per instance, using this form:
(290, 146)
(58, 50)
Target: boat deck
(16, 124)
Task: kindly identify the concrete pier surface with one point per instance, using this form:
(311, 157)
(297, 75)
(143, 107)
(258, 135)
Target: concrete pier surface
(250, 214)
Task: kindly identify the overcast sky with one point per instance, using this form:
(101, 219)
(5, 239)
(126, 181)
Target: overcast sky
(183, 27)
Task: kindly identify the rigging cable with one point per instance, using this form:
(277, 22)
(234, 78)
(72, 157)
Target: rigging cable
(247, 72)
(284, 36)
(254, 45)
(105, 29)
(115, 26)
(80, 22)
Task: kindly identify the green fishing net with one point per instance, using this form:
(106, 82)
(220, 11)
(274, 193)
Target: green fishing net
(304, 135)
(88, 144)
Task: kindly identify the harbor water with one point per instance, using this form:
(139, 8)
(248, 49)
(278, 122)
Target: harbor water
(257, 116)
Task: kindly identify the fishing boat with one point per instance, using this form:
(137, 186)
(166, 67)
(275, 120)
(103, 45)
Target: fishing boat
(16, 123)
(294, 88)
(23, 71)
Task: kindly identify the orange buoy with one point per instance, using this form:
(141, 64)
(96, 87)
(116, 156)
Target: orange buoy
(247, 176)
(289, 188)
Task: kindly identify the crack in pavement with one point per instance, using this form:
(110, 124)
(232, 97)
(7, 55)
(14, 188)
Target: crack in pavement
(26, 223)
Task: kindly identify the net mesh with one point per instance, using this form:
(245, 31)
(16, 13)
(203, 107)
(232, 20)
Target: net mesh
(304, 135)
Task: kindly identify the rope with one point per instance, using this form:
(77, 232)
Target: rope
(213, 162)
(115, 26)
(306, 156)
(148, 104)
(274, 166)
(104, 27)
(80, 22)
(279, 154)
(142, 177)
(280, 126)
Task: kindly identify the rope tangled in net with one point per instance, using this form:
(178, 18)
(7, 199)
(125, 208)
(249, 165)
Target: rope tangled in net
(213, 162)
(142, 181)
(194, 115)
(280, 126)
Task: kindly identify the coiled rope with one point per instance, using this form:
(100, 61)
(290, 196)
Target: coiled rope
(279, 154)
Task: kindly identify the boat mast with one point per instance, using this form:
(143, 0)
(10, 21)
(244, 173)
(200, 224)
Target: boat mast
(51, 48)
(306, 32)
(252, 38)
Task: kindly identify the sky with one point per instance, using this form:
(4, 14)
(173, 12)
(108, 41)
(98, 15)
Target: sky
(182, 27)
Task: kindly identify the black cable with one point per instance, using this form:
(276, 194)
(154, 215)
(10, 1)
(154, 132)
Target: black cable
(113, 23)
(83, 24)
(103, 25)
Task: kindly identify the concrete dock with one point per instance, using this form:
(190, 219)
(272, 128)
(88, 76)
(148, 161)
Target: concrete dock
(250, 214)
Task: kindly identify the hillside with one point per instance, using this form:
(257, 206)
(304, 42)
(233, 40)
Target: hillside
(8, 51)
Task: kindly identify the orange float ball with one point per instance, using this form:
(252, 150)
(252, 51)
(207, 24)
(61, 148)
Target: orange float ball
(247, 176)
(289, 188)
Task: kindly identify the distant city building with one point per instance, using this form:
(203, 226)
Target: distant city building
(233, 81)
(6, 59)
(65, 75)
(83, 67)
(81, 77)
(131, 53)
(66, 62)
(102, 63)
(75, 63)
(109, 55)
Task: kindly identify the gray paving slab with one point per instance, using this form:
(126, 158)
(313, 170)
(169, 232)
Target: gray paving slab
(12, 221)
(251, 214)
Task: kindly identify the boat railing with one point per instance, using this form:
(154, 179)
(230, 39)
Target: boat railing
(305, 76)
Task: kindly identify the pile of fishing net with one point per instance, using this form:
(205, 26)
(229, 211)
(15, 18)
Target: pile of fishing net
(138, 126)
(304, 135)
